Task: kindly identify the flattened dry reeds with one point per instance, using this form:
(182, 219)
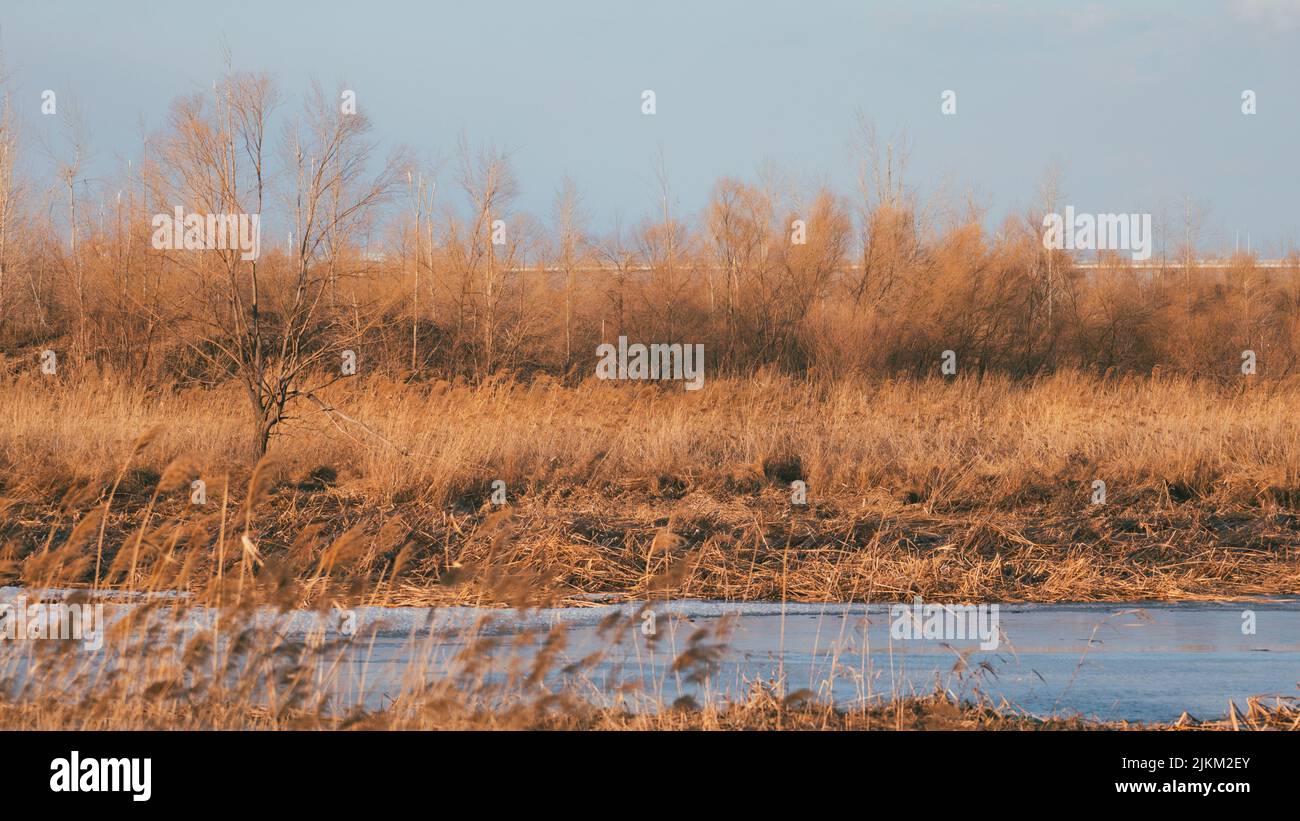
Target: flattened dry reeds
(963, 490)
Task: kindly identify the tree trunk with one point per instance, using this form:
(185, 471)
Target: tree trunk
(264, 419)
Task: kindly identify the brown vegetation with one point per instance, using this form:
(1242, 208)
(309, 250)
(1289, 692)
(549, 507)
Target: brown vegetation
(474, 362)
(966, 489)
(421, 288)
(475, 358)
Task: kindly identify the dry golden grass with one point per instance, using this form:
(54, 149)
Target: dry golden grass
(952, 490)
(971, 490)
(760, 712)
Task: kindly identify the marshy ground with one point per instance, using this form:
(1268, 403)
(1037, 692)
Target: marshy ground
(969, 490)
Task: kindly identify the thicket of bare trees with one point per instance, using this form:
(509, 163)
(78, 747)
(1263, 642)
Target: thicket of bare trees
(380, 261)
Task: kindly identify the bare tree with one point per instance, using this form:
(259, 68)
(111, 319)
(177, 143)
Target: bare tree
(422, 197)
(739, 224)
(68, 161)
(887, 212)
(662, 245)
(10, 190)
(569, 221)
(615, 253)
(1049, 194)
(274, 333)
(489, 182)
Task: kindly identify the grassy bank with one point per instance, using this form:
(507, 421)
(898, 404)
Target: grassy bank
(760, 712)
(960, 490)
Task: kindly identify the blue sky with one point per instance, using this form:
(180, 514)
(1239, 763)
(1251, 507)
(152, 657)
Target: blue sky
(1138, 101)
